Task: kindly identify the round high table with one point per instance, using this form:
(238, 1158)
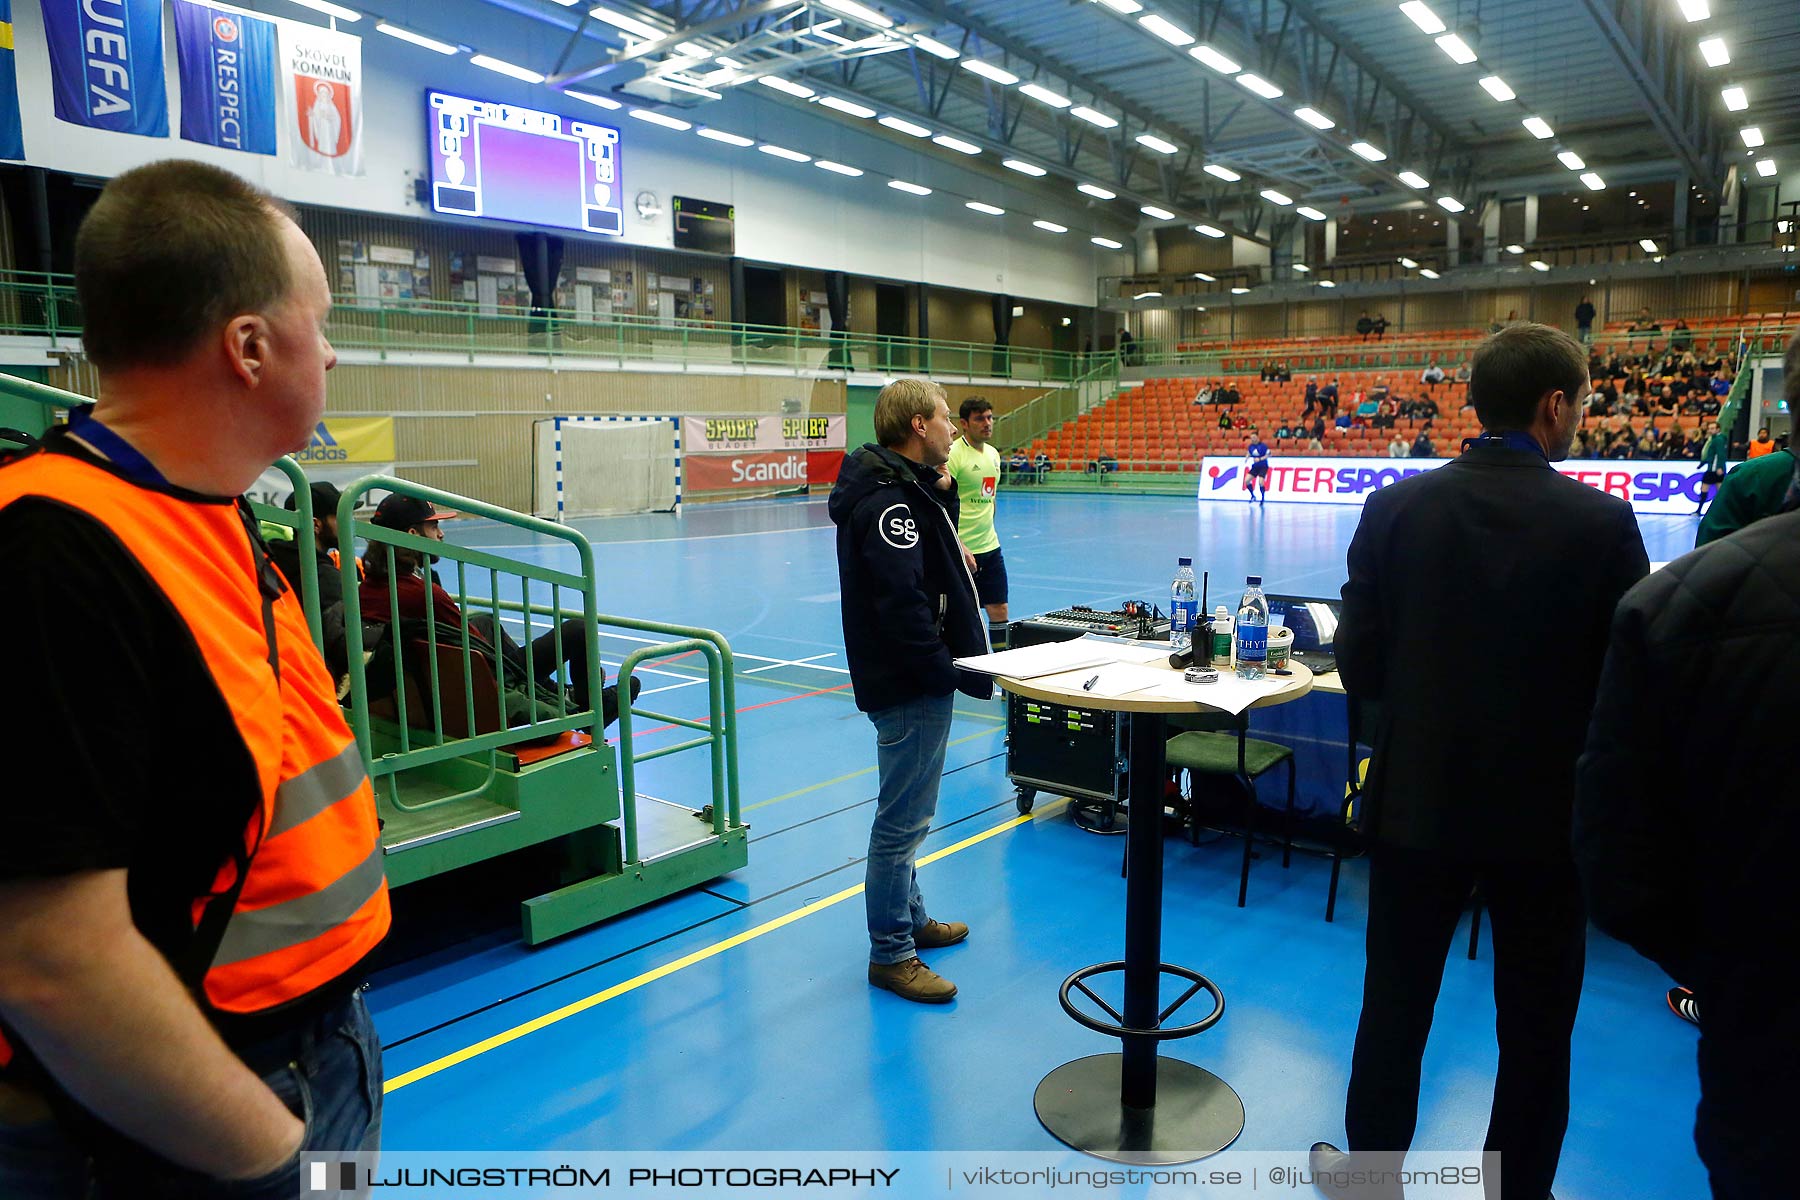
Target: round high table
(1133, 1106)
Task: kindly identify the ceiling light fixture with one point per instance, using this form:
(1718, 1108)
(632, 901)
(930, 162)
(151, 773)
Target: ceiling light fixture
(837, 168)
(1327, 283)
(1765, 167)
(1538, 264)
(989, 209)
(1107, 242)
(1259, 85)
(1420, 14)
(1753, 136)
(1124, 6)
(902, 125)
(1093, 116)
(1221, 172)
(417, 39)
(596, 101)
(1540, 128)
(1315, 118)
(1695, 10)
(1593, 181)
(1095, 190)
(1311, 214)
(1239, 291)
(1571, 160)
(1223, 64)
(956, 144)
(1367, 151)
(1167, 30)
(1159, 214)
(1147, 296)
(1204, 276)
(1050, 227)
(1211, 231)
(1450, 204)
(913, 189)
(988, 70)
(619, 20)
(1044, 95)
(1413, 179)
(505, 68)
(1429, 273)
(1496, 87)
(1275, 197)
(1457, 49)
(1151, 141)
(1515, 248)
(858, 12)
(1736, 99)
(935, 48)
(799, 90)
(730, 139)
(1713, 50)
(1302, 268)
(847, 106)
(1024, 168)
(1409, 264)
(784, 152)
(1649, 245)
(331, 10)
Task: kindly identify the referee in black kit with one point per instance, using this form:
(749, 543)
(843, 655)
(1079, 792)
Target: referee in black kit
(1473, 776)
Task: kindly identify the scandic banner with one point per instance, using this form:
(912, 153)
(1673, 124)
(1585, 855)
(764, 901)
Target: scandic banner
(768, 431)
(1651, 487)
(761, 471)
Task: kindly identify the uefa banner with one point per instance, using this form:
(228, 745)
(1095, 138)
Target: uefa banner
(1651, 487)
(106, 64)
(705, 435)
(226, 60)
(321, 86)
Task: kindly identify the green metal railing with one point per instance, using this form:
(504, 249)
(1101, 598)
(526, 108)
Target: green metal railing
(1052, 410)
(45, 305)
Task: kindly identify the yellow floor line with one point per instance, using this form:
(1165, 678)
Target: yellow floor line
(667, 969)
(813, 787)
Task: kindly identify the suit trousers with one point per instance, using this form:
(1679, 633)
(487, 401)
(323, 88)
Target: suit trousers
(1539, 937)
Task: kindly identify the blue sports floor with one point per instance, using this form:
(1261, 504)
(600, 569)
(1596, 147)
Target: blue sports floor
(776, 1041)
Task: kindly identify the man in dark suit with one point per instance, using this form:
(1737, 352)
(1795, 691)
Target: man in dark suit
(1473, 776)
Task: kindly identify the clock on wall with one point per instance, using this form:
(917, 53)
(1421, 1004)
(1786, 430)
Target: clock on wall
(647, 206)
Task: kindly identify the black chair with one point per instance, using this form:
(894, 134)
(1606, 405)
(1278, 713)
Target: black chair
(1219, 746)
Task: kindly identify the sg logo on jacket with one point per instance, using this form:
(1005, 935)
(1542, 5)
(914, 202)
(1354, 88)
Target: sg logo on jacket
(897, 527)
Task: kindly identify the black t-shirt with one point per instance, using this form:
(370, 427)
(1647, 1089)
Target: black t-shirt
(124, 753)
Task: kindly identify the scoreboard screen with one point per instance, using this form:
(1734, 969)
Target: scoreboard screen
(509, 163)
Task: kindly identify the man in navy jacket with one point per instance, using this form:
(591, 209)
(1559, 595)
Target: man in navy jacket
(910, 607)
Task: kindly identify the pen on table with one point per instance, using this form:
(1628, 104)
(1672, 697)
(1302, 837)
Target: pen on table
(1089, 685)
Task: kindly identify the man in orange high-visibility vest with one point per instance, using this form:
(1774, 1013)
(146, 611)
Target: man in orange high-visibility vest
(191, 878)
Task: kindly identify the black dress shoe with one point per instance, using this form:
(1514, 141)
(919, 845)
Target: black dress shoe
(1335, 1174)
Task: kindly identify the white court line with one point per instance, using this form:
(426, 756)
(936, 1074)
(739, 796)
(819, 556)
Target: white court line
(778, 662)
(795, 663)
(671, 687)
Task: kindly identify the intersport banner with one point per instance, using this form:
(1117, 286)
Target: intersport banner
(227, 65)
(106, 64)
(321, 86)
(703, 435)
(1651, 487)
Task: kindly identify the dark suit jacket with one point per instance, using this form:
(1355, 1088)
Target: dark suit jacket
(1476, 613)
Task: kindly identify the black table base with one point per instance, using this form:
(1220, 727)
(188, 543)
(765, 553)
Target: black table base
(1195, 1113)
(1133, 1106)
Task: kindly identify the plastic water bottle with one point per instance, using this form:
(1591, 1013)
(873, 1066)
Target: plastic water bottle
(1251, 630)
(1184, 606)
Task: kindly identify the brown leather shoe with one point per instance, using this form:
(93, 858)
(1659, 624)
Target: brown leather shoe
(912, 980)
(935, 935)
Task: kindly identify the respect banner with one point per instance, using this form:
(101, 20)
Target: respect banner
(321, 78)
(106, 64)
(226, 60)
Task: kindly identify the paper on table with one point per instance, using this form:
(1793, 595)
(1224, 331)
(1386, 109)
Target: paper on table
(1110, 679)
(1230, 694)
(1046, 658)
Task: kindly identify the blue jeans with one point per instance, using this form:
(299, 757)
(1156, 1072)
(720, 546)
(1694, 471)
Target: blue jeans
(909, 748)
(329, 1075)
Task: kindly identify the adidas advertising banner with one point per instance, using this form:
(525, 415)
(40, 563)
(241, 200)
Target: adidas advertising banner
(1652, 487)
(321, 88)
(106, 64)
(227, 65)
(342, 450)
(12, 138)
(701, 435)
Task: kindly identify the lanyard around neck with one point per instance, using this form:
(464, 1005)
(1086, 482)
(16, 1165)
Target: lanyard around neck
(121, 453)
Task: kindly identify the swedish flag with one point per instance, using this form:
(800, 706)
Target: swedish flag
(12, 140)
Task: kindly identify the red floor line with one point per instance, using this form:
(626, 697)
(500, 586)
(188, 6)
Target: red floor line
(752, 708)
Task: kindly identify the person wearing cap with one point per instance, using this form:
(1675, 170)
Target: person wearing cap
(286, 550)
(191, 881)
(413, 591)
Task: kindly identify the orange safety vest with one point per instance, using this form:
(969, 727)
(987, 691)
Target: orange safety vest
(308, 897)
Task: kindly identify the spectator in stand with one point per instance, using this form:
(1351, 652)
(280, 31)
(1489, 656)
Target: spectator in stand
(1328, 400)
(1224, 418)
(1018, 466)
(1380, 326)
(1624, 442)
(1364, 326)
(1232, 395)
(1666, 404)
(1380, 390)
(1584, 320)
(1318, 433)
(1422, 447)
(1127, 347)
(1584, 444)
(1644, 322)
(1284, 432)
(1040, 462)
(1763, 444)
(1426, 408)
(1398, 447)
(1432, 375)
(1282, 373)
(1364, 409)
(1675, 444)
(1606, 394)
(1267, 371)
(1312, 397)
(1462, 371)
(1680, 338)
(1649, 444)
(1240, 422)
(1385, 412)
(1204, 395)
(1721, 383)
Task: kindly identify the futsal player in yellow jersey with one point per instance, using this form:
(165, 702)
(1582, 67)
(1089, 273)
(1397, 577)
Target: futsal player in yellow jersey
(975, 466)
